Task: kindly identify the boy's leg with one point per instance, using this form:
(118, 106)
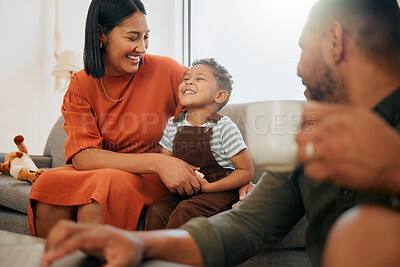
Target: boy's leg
(157, 215)
(201, 205)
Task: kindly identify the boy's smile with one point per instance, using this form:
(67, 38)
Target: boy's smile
(188, 91)
(199, 87)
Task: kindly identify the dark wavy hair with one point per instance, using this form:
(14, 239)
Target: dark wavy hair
(107, 14)
(224, 78)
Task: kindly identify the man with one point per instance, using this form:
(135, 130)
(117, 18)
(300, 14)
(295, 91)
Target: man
(350, 55)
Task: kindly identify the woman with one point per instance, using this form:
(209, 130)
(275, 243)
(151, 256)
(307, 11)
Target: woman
(114, 113)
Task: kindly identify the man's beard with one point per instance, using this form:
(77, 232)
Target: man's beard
(328, 89)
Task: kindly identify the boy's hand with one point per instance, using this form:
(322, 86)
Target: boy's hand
(199, 174)
(202, 181)
(243, 191)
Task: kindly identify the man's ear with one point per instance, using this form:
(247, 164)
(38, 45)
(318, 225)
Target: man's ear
(101, 35)
(335, 41)
(221, 96)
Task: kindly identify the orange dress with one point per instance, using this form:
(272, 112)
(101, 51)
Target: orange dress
(133, 125)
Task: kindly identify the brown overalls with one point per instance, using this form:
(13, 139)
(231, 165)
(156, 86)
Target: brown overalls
(192, 144)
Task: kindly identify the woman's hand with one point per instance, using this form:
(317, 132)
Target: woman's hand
(243, 191)
(178, 176)
(118, 247)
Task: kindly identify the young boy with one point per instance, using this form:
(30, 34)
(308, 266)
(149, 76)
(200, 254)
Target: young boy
(203, 138)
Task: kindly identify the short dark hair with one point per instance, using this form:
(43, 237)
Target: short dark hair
(374, 25)
(107, 14)
(224, 78)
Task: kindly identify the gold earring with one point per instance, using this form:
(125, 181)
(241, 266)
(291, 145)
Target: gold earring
(101, 45)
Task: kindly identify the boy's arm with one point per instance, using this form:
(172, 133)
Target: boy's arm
(243, 174)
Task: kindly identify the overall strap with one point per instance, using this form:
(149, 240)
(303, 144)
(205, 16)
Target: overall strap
(214, 118)
(179, 117)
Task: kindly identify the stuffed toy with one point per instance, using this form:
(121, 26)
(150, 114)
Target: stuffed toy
(19, 164)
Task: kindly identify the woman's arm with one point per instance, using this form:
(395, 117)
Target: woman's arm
(94, 158)
(243, 174)
(178, 176)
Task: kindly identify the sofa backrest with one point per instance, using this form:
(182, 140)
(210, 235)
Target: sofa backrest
(237, 113)
(55, 144)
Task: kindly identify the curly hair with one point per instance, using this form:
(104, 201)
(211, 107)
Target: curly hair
(224, 78)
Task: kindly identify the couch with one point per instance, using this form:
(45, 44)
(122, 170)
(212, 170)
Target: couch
(14, 198)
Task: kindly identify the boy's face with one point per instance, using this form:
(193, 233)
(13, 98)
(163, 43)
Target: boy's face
(199, 87)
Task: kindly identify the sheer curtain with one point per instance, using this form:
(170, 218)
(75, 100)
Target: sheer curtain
(257, 40)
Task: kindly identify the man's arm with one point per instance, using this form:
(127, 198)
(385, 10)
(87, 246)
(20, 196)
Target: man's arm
(266, 215)
(119, 247)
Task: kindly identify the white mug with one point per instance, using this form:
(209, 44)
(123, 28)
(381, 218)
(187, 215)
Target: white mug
(271, 135)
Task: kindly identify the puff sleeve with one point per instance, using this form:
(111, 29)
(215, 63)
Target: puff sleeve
(80, 125)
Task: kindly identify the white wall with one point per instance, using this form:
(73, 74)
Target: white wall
(256, 41)
(165, 23)
(28, 103)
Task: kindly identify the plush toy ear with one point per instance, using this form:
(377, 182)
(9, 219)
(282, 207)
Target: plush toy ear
(19, 141)
(4, 168)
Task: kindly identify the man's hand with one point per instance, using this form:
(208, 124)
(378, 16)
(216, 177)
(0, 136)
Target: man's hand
(118, 247)
(350, 146)
(178, 176)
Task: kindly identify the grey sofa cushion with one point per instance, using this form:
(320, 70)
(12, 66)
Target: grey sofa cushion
(296, 238)
(13, 221)
(14, 194)
(279, 257)
(55, 144)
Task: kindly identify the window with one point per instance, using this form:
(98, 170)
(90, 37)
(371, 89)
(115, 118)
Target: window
(256, 40)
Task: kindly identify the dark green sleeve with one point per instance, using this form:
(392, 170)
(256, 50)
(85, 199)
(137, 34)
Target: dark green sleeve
(260, 222)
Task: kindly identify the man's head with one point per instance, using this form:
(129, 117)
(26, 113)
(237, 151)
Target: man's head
(206, 83)
(373, 26)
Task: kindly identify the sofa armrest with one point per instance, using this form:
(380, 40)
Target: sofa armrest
(40, 161)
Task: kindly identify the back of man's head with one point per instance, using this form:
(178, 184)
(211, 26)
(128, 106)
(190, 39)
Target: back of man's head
(374, 25)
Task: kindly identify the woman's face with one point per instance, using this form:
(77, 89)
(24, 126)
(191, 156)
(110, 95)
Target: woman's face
(125, 45)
